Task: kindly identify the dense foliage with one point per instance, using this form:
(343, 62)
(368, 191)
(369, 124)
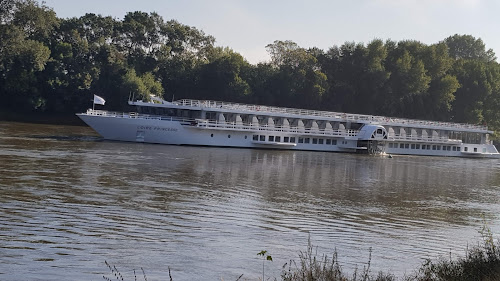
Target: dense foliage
(50, 64)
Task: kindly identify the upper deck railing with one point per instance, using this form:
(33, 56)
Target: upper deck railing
(326, 114)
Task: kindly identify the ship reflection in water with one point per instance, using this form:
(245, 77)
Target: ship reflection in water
(70, 201)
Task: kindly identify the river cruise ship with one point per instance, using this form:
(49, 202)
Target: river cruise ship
(224, 124)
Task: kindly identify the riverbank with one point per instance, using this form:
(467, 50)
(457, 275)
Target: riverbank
(481, 263)
(41, 118)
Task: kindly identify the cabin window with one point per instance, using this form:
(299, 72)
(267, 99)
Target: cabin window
(320, 141)
(438, 147)
(228, 136)
(262, 138)
(466, 149)
(454, 148)
(277, 139)
(423, 146)
(328, 141)
(301, 140)
(407, 145)
(286, 139)
(401, 145)
(379, 131)
(434, 147)
(246, 137)
(448, 148)
(315, 141)
(417, 146)
(484, 149)
(412, 146)
(271, 138)
(307, 140)
(475, 149)
(255, 137)
(292, 139)
(334, 142)
(211, 135)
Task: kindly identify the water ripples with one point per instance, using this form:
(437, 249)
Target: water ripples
(71, 201)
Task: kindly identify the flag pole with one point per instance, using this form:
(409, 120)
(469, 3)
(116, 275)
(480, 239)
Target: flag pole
(93, 104)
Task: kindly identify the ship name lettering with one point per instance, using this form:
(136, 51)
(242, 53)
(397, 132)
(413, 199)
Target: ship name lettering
(156, 128)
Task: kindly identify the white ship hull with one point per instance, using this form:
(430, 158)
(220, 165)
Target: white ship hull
(183, 133)
(168, 130)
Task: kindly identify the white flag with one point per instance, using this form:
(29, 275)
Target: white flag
(98, 100)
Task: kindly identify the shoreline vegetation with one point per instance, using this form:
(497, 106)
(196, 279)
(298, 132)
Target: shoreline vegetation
(52, 65)
(42, 118)
(481, 263)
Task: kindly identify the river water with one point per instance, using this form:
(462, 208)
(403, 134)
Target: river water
(70, 201)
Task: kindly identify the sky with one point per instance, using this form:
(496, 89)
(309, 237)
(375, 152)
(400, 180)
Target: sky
(248, 26)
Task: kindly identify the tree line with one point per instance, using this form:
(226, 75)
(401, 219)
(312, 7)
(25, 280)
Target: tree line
(54, 65)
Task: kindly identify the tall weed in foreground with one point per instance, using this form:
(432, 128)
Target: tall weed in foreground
(312, 268)
(481, 263)
(116, 273)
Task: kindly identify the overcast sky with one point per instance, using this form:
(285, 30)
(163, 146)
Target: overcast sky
(248, 26)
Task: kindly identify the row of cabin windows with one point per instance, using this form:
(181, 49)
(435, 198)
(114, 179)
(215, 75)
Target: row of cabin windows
(318, 141)
(273, 138)
(293, 139)
(425, 146)
(334, 142)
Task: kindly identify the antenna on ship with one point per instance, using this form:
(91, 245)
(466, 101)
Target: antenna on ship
(173, 95)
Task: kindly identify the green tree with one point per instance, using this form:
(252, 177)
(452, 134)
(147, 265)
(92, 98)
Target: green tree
(7, 9)
(468, 47)
(260, 79)
(477, 86)
(221, 78)
(409, 81)
(491, 110)
(24, 53)
(300, 81)
(36, 21)
(441, 93)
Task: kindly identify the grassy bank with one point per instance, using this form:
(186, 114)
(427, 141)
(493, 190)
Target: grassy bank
(481, 263)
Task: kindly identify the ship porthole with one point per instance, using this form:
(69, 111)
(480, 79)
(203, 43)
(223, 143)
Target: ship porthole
(246, 137)
(212, 135)
(228, 136)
